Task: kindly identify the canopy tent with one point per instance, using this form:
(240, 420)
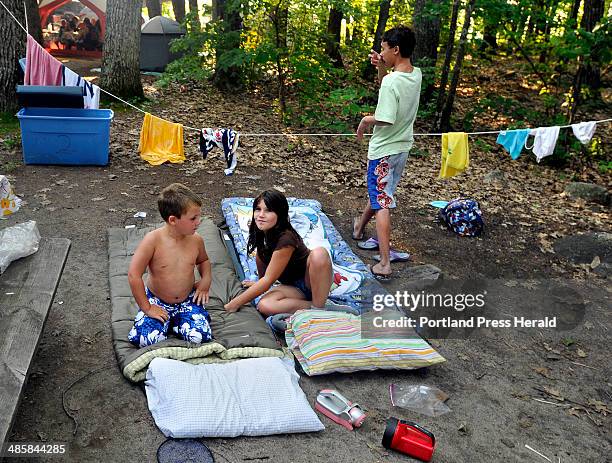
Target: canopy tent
(46, 7)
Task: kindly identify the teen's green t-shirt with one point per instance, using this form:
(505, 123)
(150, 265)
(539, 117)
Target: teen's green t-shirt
(398, 102)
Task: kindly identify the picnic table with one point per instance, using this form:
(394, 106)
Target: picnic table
(27, 289)
(53, 37)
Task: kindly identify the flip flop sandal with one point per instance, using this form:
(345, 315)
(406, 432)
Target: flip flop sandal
(355, 237)
(337, 307)
(370, 244)
(438, 204)
(395, 256)
(278, 322)
(383, 277)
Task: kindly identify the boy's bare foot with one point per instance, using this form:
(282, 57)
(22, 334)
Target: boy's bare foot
(357, 232)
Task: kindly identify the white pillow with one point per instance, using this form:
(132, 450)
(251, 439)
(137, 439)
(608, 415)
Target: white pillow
(251, 397)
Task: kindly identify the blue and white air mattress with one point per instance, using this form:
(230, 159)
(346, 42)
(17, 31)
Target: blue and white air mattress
(352, 284)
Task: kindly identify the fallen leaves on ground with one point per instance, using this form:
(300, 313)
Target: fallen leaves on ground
(528, 200)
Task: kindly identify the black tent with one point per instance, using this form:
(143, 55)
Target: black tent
(155, 37)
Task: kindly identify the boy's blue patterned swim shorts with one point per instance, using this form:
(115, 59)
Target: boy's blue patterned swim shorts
(187, 320)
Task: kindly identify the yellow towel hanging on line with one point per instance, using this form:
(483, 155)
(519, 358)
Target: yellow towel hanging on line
(161, 141)
(455, 154)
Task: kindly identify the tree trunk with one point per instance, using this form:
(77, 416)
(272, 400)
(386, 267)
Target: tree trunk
(551, 10)
(593, 13)
(34, 26)
(153, 8)
(121, 57)
(216, 9)
(427, 32)
(383, 16)
(587, 73)
(13, 40)
(448, 108)
(576, 89)
(358, 32)
(332, 38)
(195, 15)
(489, 37)
(280, 20)
(381, 25)
(519, 26)
(447, 60)
(573, 16)
(178, 6)
(539, 11)
(228, 11)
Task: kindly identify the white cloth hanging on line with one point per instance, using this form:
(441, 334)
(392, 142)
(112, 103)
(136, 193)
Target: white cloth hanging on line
(584, 131)
(544, 142)
(92, 91)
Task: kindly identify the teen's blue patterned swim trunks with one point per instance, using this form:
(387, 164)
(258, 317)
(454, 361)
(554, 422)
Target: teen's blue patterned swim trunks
(382, 178)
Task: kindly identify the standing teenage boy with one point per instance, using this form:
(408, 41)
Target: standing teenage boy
(398, 102)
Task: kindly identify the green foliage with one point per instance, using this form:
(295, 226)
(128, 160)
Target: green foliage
(9, 124)
(233, 58)
(188, 67)
(493, 105)
(605, 167)
(594, 48)
(416, 152)
(12, 141)
(10, 137)
(282, 44)
(167, 10)
(197, 49)
(567, 342)
(340, 110)
(429, 71)
(482, 145)
(428, 109)
(9, 166)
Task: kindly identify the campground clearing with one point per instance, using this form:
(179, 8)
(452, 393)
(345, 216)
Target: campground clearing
(544, 388)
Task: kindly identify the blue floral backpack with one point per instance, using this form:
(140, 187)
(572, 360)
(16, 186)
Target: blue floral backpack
(463, 216)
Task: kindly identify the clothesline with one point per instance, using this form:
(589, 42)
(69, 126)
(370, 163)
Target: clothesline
(292, 134)
(352, 134)
(491, 132)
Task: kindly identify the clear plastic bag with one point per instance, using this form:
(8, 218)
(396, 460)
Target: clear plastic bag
(419, 398)
(18, 241)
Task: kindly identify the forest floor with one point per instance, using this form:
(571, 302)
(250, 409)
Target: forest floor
(545, 388)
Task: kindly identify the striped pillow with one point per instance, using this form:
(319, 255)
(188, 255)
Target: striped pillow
(326, 342)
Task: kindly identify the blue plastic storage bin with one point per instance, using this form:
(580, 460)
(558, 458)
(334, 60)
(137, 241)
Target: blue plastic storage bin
(65, 136)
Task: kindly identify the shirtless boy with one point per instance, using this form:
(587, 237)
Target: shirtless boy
(172, 299)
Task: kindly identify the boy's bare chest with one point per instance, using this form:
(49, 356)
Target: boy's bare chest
(174, 257)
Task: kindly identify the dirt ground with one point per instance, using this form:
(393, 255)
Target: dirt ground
(493, 378)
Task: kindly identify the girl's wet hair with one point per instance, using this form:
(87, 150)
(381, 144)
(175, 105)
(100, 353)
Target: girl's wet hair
(276, 202)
